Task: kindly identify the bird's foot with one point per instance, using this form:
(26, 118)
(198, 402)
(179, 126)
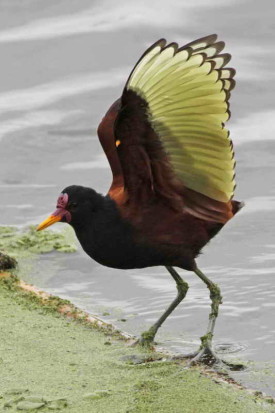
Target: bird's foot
(146, 339)
(206, 355)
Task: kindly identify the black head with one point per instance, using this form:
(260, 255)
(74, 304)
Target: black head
(75, 205)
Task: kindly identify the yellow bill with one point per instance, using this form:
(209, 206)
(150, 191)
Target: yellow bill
(52, 219)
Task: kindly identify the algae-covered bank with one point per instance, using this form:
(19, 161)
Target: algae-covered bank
(49, 362)
(28, 241)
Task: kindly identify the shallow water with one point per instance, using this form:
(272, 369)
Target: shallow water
(62, 65)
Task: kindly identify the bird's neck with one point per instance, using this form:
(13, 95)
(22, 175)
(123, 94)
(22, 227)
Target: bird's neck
(103, 208)
(101, 229)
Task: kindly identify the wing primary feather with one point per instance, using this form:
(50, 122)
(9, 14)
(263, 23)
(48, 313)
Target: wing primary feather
(160, 44)
(221, 60)
(228, 73)
(184, 100)
(206, 40)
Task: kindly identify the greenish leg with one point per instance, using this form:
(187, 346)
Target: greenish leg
(147, 337)
(205, 350)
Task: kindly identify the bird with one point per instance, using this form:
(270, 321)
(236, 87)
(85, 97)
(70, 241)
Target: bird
(173, 172)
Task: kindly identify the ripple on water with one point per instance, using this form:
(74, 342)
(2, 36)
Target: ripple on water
(228, 348)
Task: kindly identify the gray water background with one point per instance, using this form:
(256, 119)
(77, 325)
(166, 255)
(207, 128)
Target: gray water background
(62, 64)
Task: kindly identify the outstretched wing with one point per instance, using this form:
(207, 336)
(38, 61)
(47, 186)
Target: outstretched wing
(170, 134)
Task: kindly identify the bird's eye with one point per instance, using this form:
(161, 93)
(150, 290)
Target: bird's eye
(73, 205)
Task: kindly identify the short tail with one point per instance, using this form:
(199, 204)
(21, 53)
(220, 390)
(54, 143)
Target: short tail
(214, 228)
(236, 206)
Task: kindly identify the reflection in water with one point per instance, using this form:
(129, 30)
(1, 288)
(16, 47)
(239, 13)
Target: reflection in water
(61, 68)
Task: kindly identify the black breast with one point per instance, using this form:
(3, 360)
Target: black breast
(111, 241)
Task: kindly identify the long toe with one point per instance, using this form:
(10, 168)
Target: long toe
(209, 358)
(206, 356)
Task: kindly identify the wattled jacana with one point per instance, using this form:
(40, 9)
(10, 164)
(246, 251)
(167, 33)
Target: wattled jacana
(173, 170)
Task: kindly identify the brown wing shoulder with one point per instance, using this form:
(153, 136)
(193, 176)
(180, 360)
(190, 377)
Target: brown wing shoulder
(108, 142)
(146, 168)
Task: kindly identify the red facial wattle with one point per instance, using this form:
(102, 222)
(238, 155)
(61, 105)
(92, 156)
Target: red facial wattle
(62, 201)
(61, 210)
(60, 214)
(65, 216)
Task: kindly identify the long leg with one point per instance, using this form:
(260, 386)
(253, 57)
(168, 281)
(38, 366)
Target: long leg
(205, 350)
(147, 337)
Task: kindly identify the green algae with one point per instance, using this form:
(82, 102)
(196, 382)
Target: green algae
(58, 404)
(45, 303)
(33, 403)
(98, 394)
(22, 247)
(29, 241)
(58, 363)
(16, 391)
(28, 406)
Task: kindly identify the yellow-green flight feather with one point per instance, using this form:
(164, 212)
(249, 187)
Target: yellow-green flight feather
(187, 92)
